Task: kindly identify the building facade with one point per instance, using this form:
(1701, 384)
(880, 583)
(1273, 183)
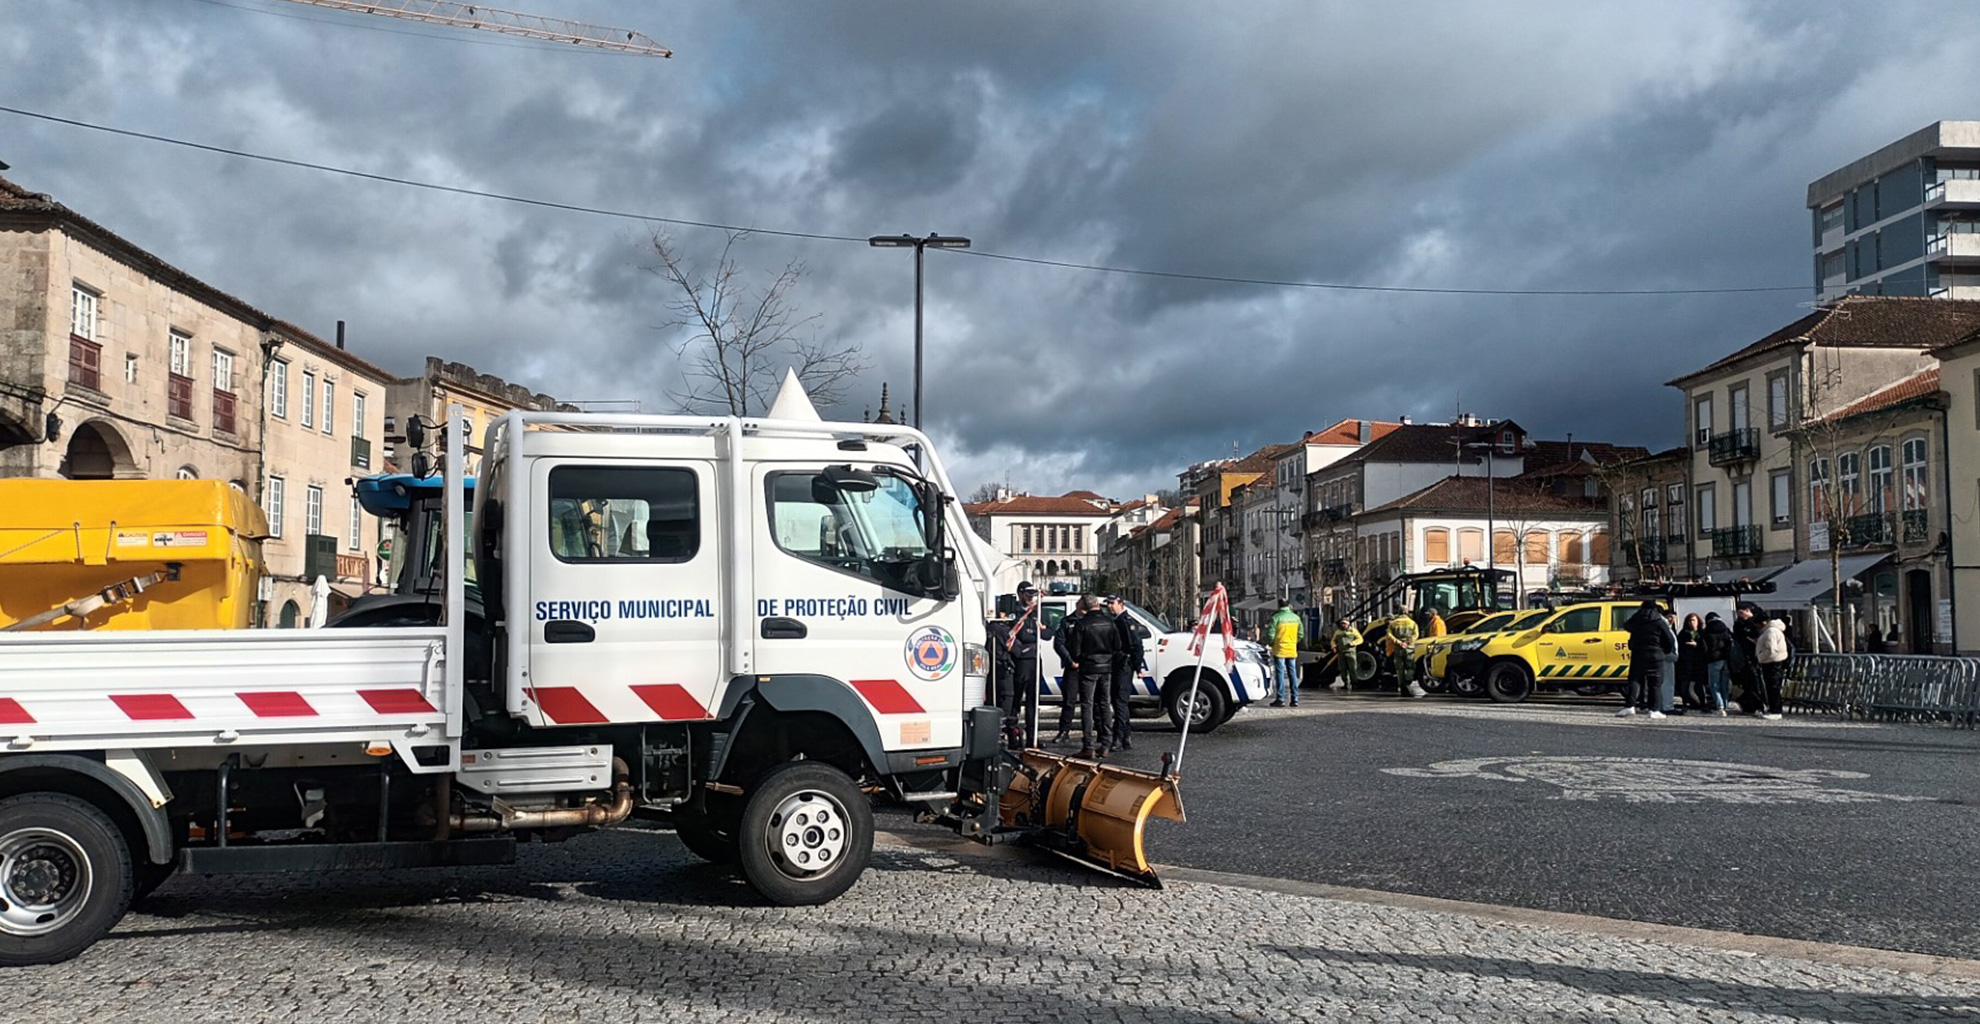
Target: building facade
(484, 397)
(1156, 565)
(1904, 220)
(1551, 542)
(1647, 521)
(1054, 542)
(1959, 379)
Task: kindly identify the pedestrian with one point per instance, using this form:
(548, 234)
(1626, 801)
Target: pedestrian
(1772, 651)
(1435, 626)
(1093, 643)
(1691, 662)
(1127, 668)
(1873, 640)
(1717, 646)
(1401, 647)
(1745, 664)
(1023, 647)
(1068, 678)
(1285, 655)
(1346, 643)
(1892, 639)
(1652, 661)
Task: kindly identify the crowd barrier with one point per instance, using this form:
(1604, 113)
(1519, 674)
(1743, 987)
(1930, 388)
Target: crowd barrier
(1885, 687)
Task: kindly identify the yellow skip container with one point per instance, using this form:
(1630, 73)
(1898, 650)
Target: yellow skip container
(128, 554)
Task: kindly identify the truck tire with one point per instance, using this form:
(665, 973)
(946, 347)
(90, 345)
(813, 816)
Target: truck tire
(65, 877)
(1508, 682)
(1212, 710)
(709, 834)
(806, 834)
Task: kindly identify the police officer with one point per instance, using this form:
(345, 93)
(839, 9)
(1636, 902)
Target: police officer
(1093, 644)
(1127, 665)
(1068, 680)
(1019, 698)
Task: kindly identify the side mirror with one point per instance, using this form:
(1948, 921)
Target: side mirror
(951, 578)
(415, 433)
(422, 465)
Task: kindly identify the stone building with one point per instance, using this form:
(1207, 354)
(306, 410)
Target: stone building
(485, 397)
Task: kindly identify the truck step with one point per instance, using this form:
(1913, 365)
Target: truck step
(245, 860)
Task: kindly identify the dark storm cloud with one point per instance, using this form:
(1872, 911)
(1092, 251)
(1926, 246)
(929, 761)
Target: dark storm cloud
(1494, 145)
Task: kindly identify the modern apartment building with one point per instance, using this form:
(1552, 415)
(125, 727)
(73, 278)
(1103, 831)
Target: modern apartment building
(1904, 220)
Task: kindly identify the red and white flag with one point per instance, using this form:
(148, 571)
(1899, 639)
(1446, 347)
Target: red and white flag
(1216, 612)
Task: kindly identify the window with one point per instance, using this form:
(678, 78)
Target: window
(1916, 479)
(634, 514)
(1818, 490)
(186, 473)
(178, 386)
(1739, 410)
(313, 510)
(1702, 419)
(130, 368)
(278, 389)
(181, 354)
(1849, 476)
(223, 391)
(1578, 620)
(308, 399)
(82, 313)
(876, 532)
(1652, 527)
(1538, 544)
(1708, 511)
(1574, 550)
(1471, 545)
(1437, 546)
(1880, 478)
(85, 364)
(1832, 265)
(1505, 547)
(357, 414)
(1781, 498)
(357, 524)
(1777, 401)
(1598, 548)
(271, 503)
(1674, 495)
(1742, 509)
(1831, 217)
(329, 406)
(1023, 538)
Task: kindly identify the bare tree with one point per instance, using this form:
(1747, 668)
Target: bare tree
(735, 343)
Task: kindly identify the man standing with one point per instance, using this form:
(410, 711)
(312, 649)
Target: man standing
(1745, 664)
(1401, 645)
(1127, 666)
(1023, 641)
(1093, 643)
(1068, 679)
(1347, 643)
(1652, 660)
(1285, 656)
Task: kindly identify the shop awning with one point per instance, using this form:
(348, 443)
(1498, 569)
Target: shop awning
(1808, 582)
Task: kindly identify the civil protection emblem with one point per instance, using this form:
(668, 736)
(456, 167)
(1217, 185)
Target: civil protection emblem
(931, 653)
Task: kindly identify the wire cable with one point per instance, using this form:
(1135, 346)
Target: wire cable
(600, 211)
(334, 22)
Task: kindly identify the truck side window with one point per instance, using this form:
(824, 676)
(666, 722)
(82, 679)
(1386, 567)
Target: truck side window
(1619, 617)
(1580, 620)
(874, 533)
(624, 514)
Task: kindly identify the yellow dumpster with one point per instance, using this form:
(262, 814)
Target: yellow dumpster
(128, 554)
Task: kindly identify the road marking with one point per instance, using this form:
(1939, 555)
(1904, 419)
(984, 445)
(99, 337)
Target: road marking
(1661, 780)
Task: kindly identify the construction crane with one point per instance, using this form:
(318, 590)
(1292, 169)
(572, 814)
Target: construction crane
(509, 23)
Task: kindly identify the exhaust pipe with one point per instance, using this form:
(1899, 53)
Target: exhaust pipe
(507, 818)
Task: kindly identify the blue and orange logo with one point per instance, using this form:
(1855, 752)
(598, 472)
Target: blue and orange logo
(931, 653)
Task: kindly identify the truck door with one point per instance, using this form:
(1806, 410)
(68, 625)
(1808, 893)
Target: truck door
(848, 601)
(1572, 645)
(625, 585)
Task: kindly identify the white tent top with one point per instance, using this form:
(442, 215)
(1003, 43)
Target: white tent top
(1808, 582)
(792, 403)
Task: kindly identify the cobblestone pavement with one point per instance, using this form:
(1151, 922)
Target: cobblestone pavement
(625, 926)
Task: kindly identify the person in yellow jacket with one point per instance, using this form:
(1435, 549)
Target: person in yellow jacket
(1346, 642)
(1435, 627)
(1401, 647)
(1285, 656)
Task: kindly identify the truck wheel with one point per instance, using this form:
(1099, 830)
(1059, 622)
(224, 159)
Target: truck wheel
(1210, 711)
(1508, 683)
(65, 877)
(709, 834)
(806, 834)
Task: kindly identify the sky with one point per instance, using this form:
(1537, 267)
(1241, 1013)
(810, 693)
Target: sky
(1486, 145)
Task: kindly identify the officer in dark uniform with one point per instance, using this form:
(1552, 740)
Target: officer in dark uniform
(1019, 697)
(1127, 666)
(1068, 677)
(1094, 644)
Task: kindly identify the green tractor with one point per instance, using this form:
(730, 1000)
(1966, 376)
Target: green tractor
(1462, 596)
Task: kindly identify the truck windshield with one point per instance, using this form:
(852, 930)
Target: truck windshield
(874, 533)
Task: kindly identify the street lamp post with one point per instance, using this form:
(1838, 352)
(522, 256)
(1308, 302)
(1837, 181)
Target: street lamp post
(1491, 513)
(917, 244)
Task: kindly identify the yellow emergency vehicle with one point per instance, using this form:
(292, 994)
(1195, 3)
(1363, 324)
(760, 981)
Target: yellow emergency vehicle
(1582, 647)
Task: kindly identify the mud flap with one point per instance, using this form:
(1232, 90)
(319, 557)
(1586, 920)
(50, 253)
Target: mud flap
(1093, 814)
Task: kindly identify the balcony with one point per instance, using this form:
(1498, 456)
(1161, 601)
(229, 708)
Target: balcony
(1953, 245)
(1639, 553)
(1870, 528)
(361, 453)
(1915, 530)
(1736, 541)
(1957, 193)
(1742, 445)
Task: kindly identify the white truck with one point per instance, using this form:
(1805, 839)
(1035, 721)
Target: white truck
(1162, 686)
(747, 626)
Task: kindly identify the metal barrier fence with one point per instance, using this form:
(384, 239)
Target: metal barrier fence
(1886, 687)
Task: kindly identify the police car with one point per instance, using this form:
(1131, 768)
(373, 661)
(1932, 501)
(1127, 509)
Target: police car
(1162, 684)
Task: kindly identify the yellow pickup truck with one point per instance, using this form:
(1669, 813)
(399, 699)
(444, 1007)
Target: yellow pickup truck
(1582, 647)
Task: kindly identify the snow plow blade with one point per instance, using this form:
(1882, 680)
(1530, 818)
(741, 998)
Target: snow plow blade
(1091, 813)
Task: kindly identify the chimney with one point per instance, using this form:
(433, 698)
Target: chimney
(1367, 431)
(340, 335)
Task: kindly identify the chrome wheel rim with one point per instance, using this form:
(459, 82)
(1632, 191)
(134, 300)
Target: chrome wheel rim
(808, 834)
(45, 880)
